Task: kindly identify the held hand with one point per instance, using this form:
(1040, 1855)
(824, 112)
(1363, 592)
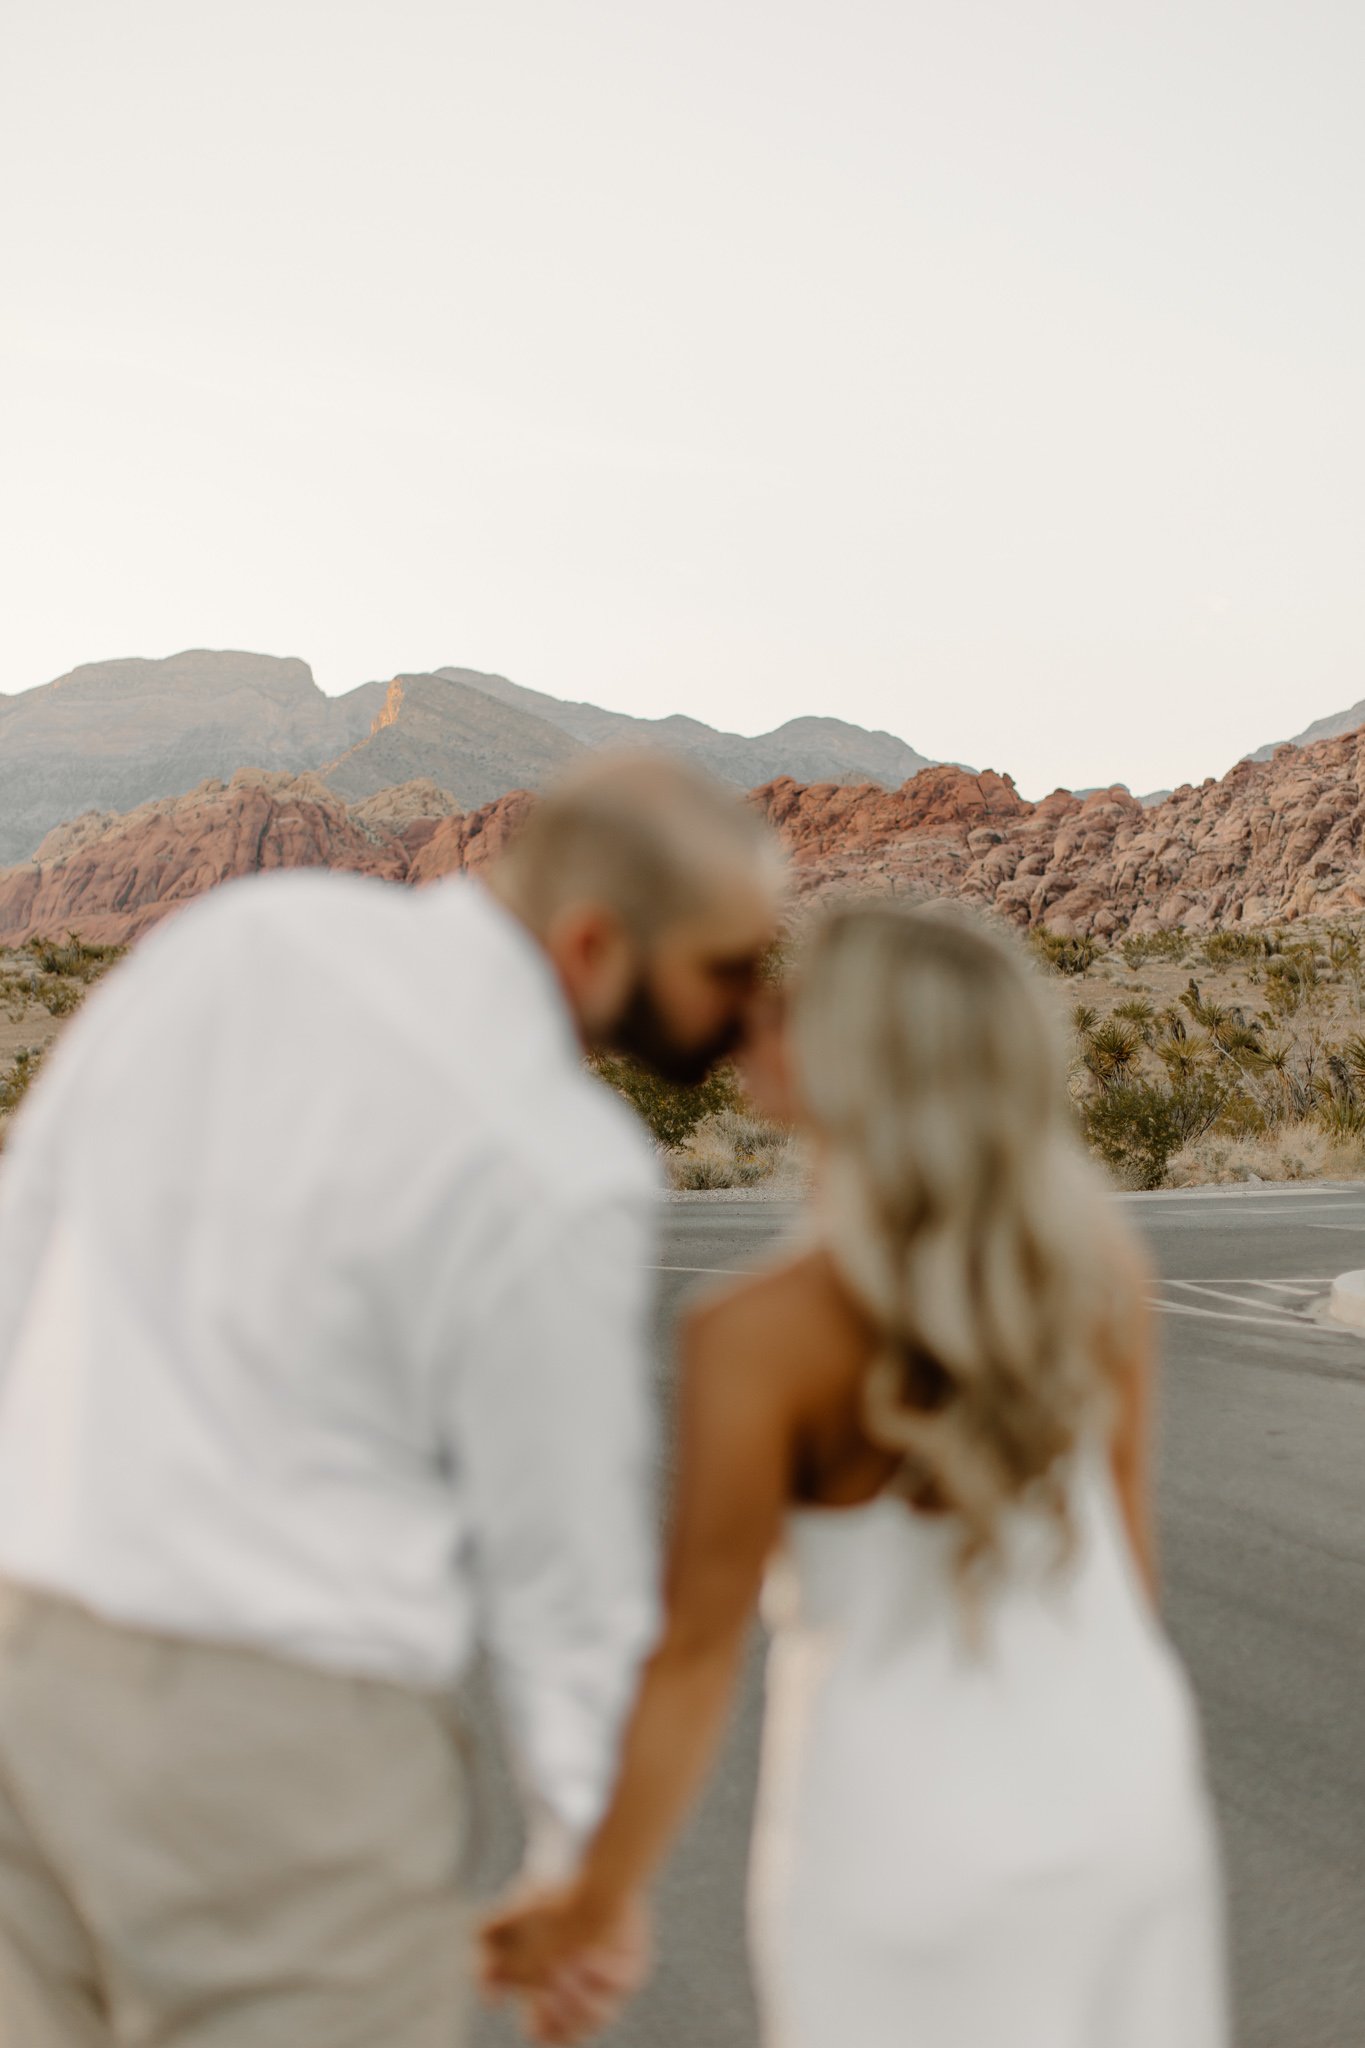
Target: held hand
(574, 1962)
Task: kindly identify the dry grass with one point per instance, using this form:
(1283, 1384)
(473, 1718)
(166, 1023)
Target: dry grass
(734, 1150)
(1299, 1151)
(41, 984)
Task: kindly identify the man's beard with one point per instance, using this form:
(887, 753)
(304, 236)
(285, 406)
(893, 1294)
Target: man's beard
(642, 1033)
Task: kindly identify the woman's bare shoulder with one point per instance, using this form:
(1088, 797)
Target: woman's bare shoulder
(796, 1313)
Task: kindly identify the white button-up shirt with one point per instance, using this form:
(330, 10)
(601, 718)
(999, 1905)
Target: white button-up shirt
(324, 1306)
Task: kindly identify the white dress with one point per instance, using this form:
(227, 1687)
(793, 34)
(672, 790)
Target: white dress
(999, 1844)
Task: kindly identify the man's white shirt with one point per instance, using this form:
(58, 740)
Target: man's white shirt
(323, 1310)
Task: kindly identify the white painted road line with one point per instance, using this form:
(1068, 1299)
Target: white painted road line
(1303, 1326)
(1238, 1300)
(739, 1272)
(1280, 1191)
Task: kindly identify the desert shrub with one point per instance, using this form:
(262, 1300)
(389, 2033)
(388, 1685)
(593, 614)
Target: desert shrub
(1210, 1015)
(18, 1078)
(1345, 954)
(1181, 1056)
(701, 1172)
(1220, 949)
(1111, 1052)
(75, 960)
(1139, 1125)
(1141, 1014)
(734, 1150)
(1243, 1115)
(670, 1111)
(1064, 953)
(1084, 1018)
(1139, 947)
(1340, 1116)
(58, 996)
(1291, 980)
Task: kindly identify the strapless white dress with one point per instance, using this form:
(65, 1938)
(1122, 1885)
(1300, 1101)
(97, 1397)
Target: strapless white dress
(999, 1844)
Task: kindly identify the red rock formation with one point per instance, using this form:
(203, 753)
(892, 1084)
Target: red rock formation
(1276, 839)
(468, 839)
(111, 883)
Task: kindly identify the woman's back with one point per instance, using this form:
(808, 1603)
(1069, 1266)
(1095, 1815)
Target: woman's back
(994, 1823)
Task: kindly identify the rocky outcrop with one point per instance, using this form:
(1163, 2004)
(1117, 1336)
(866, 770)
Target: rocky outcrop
(1274, 840)
(1277, 839)
(110, 884)
(111, 877)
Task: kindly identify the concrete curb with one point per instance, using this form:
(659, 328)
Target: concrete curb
(1347, 1303)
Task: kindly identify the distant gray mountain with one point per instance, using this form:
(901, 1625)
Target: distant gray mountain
(1329, 728)
(442, 729)
(809, 749)
(114, 734)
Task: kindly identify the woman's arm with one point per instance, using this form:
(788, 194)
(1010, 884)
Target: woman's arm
(734, 1464)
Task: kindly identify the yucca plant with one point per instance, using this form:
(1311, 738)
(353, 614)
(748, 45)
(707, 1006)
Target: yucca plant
(1064, 953)
(1183, 1058)
(1111, 1052)
(1141, 1014)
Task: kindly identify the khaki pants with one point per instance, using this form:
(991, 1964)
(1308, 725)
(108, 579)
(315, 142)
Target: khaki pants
(204, 1847)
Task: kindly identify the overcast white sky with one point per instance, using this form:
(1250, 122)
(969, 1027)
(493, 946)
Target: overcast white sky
(988, 372)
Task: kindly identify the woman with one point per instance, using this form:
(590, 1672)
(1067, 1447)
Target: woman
(982, 1820)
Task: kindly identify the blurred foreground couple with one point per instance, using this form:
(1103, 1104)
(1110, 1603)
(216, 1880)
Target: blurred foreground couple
(324, 1323)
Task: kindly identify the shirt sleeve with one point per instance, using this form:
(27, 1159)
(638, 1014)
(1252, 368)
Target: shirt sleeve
(553, 1445)
(30, 1192)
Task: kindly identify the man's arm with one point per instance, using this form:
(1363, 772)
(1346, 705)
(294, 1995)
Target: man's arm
(552, 1439)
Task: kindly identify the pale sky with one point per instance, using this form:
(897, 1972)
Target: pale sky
(987, 372)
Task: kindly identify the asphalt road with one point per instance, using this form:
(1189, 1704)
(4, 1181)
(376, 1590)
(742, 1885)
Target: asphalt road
(1262, 1515)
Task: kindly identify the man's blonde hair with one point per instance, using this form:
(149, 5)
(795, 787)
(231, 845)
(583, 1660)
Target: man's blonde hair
(647, 836)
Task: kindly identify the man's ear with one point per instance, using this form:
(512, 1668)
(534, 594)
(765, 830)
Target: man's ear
(594, 958)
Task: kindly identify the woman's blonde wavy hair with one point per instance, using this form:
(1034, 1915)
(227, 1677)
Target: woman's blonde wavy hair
(959, 1209)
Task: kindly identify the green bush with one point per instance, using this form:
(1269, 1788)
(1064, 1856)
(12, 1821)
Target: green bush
(670, 1111)
(1221, 948)
(1138, 1126)
(1139, 947)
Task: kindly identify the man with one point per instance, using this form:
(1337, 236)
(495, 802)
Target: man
(323, 1306)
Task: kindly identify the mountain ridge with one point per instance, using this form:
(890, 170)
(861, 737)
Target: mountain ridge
(110, 736)
(1273, 840)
